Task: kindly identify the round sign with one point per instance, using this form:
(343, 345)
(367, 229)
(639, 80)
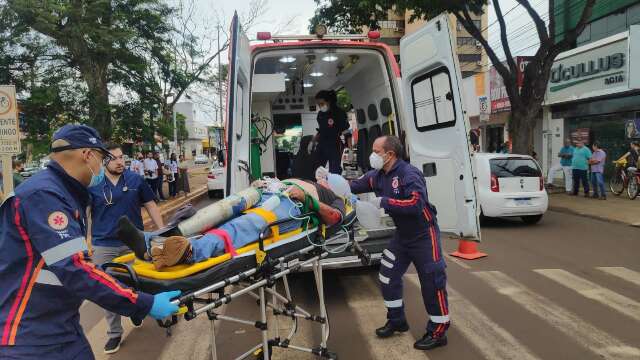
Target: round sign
(5, 103)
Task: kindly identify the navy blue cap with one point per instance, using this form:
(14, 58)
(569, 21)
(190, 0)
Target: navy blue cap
(77, 137)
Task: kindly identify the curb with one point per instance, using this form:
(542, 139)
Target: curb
(591, 216)
(194, 196)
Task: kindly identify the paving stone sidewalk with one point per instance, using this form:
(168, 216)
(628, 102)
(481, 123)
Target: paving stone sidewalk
(617, 209)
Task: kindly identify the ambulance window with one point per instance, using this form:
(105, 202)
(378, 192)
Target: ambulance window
(433, 106)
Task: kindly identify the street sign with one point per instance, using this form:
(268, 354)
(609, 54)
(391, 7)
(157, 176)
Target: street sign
(485, 110)
(9, 126)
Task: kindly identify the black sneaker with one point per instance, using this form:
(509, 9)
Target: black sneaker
(113, 345)
(137, 323)
(428, 342)
(389, 329)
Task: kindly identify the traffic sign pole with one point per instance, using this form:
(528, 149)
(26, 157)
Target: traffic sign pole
(9, 133)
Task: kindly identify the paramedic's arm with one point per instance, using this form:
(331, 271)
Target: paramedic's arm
(414, 203)
(363, 184)
(56, 234)
(147, 199)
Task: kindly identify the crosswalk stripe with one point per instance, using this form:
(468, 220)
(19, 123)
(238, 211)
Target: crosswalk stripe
(623, 273)
(593, 291)
(585, 334)
(370, 314)
(495, 342)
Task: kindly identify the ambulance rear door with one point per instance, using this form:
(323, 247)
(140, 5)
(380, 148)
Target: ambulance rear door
(435, 125)
(237, 124)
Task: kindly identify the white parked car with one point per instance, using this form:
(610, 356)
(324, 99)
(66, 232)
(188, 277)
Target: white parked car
(510, 185)
(201, 159)
(216, 182)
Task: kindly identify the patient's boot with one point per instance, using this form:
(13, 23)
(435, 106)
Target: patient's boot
(132, 237)
(174, 250)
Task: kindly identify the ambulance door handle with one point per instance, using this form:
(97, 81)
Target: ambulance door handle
(429, 169)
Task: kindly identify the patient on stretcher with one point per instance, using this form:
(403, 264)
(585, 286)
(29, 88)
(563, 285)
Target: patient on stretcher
(244, 229)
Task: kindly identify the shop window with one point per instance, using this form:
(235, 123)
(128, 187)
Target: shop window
(466, 40)
(585, 36)
(616, 23)
(599, 29)
(433, 105)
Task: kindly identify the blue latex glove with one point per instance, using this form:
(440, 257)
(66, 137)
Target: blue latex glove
(162, 306)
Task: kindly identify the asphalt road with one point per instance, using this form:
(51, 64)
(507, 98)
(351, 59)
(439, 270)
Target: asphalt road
(567, 288)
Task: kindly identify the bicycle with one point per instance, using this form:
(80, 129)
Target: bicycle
(620, 180)
(633, 189)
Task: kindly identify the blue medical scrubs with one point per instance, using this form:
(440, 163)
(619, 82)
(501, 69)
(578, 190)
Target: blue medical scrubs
(110, 202)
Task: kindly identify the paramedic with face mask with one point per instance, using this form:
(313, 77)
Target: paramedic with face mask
(45, 273)
(332, 124)
(400, 190)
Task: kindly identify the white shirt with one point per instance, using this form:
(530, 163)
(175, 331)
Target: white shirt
(137, 167)
(173, 165)
(151, 165)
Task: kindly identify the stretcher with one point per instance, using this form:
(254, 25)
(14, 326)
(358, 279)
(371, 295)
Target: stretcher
(258, 270)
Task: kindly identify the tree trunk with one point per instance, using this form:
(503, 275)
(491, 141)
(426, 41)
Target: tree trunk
(95, 76)
(523, 121)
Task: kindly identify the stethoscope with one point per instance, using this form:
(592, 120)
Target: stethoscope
(109, 200)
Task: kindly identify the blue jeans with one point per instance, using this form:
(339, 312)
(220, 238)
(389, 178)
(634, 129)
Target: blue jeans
(243, 230)
(580, 176)
(597, 180)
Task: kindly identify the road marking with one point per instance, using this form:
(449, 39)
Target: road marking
(370, 314)
(458, 261)
(495, 342)
(623, 273)
(593, 291)
(585, 334)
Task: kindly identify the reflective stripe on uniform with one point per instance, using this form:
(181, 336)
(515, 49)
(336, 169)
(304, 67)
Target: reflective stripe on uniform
(393, 303)
(48, 278)
(383, 279)
(440, 319)
(389, 255)
(385, 263)
(64, 250)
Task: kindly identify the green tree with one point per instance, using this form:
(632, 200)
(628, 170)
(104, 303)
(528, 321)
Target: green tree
(103, 40)
(526, 101)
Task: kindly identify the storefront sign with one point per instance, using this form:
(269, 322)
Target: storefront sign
(498, 92)
(596, 69)
(9, 127)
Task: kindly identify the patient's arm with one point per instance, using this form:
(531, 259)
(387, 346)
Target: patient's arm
(329, 215)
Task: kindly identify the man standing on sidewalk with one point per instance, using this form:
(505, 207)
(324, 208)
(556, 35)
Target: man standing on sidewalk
(597, 162)
(580, 165)
(151, 174)
(122, 193)
(160, 181)
(565, 155)
(137, 165)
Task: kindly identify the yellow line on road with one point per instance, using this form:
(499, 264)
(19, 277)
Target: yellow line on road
(495, 342)
(623, 273)
(593, 291)
(585, 334)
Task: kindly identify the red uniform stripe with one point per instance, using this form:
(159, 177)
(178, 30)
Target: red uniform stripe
(410, 202)
(103, 278)
(25, 277)
(427, 215)
(434, 244)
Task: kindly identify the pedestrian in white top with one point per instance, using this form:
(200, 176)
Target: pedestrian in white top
(151, 172)
(565, 155)
(137, 165)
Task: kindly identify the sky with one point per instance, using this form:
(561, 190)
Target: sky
(292, 17)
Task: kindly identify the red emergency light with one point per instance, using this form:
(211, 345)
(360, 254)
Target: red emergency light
(264, 35)
(373, 35)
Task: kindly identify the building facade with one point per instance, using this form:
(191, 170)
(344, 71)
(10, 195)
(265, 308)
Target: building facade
(594, 90)
(195, 121)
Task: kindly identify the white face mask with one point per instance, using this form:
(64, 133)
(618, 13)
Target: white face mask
(324, 108)
(376, 161)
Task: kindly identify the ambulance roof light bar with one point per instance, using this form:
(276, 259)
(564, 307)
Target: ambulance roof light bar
(265, 36)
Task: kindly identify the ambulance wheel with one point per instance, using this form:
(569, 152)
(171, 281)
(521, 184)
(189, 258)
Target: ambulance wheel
(531, 219)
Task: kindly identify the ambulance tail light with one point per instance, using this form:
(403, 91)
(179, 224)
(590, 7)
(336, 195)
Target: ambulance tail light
(495, 185)
(541, 183)
(211, 176)
(264, 35)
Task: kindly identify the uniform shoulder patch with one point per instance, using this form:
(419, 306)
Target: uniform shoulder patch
(58, 220)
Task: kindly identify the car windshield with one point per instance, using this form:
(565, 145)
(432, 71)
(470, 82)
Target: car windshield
(514, 167)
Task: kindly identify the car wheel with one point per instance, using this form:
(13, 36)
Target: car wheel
(531, 219)
(219, 194)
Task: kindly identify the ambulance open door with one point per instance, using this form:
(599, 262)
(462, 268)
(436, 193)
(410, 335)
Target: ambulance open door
(436, 127)
(237, 126)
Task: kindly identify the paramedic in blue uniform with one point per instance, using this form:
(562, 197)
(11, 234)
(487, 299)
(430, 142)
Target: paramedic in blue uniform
(400, 190)
(121, 193)
(332, 124)
(45, 273)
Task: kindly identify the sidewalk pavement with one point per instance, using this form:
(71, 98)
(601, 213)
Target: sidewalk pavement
(198, 185)
(618, 209)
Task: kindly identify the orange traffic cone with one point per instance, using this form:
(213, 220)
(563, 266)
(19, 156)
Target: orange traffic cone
(468, 249)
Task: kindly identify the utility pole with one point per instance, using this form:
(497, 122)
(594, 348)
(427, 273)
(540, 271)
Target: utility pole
(220, 80)
(175, 129)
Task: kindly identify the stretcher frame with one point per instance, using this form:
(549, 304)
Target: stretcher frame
(258, 283)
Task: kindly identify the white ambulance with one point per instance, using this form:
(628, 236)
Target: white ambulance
(278, 78)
